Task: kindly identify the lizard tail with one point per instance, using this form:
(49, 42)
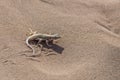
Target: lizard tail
(28, 44)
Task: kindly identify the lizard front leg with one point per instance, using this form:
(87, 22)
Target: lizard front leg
(47, 42)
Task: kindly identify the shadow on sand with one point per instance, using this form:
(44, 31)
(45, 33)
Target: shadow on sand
(58, 49)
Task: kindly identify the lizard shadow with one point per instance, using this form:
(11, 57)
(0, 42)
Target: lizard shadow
(54, 47)
(58, 49)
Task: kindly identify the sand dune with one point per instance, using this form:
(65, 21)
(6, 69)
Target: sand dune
(88, 50)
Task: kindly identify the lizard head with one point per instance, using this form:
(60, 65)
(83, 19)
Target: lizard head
(56, 36)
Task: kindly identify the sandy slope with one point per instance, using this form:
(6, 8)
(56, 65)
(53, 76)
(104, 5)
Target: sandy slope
(90, 42)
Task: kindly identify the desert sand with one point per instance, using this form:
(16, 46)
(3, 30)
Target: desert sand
(88, 50)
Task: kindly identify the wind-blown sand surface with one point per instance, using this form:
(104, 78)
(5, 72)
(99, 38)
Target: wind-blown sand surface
(90, 43)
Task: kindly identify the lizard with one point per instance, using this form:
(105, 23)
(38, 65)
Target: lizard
(40, 37)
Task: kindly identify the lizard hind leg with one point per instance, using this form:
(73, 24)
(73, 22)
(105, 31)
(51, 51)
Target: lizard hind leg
(32, 32)
(39, 44)
(33, 51)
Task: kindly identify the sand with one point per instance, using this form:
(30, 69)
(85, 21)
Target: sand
(88, 50)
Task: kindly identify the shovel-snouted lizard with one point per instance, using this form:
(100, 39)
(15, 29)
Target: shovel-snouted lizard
(40, 37)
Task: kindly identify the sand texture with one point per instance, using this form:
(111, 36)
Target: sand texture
(88, 50)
